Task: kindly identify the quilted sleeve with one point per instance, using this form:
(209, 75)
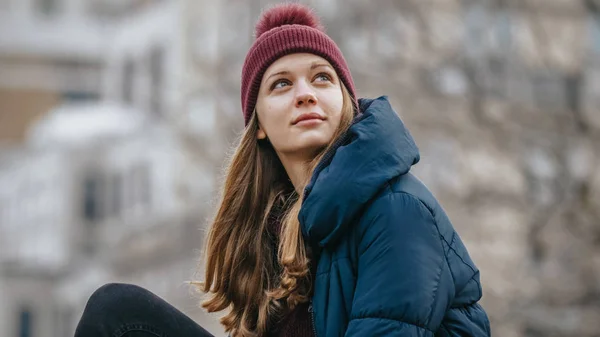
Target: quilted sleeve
(404, 283)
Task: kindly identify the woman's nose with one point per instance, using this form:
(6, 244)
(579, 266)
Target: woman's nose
(305, 96)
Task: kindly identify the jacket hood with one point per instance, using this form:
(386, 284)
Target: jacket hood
(376, 148)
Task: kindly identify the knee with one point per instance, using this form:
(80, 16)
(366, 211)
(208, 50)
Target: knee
(104, 306)
(111, 297)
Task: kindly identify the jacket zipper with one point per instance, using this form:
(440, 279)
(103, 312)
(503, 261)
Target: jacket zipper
(325, 161)
(312, 318)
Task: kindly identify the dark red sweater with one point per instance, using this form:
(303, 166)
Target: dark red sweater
(298, 322)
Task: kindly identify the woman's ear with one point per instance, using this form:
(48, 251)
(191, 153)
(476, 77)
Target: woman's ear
(260, 134)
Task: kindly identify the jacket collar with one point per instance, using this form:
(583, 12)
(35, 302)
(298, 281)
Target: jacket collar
(376, 148)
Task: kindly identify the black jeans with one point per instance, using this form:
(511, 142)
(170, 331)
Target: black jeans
(125, 310)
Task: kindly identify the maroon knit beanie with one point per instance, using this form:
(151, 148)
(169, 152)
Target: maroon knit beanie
(282, 30)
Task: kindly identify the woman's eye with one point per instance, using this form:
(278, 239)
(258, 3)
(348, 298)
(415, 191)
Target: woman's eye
(279, 84)
(323, 77)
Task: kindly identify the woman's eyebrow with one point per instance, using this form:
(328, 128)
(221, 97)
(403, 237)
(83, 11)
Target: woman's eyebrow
(312, 67)
(284, 72)
(317, 65)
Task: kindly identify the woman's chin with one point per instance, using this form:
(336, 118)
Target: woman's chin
(313, 141)
(309, 150)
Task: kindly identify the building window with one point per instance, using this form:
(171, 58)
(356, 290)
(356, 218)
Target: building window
(47, 7)
(25, 323)
(116, 195)
(79, 96)
(128, 81)
(91, 200)
(157, 58)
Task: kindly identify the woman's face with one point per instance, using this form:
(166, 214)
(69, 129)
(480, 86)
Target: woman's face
(299, 105)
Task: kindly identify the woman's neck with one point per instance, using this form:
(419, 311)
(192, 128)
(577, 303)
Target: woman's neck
(297, 171)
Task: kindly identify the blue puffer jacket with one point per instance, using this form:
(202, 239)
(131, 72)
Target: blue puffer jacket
(389, 261)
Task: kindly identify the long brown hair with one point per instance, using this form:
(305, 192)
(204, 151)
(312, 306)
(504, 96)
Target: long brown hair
(241, 274)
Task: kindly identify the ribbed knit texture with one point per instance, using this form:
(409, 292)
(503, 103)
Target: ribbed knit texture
(298, 322)
(281, 41)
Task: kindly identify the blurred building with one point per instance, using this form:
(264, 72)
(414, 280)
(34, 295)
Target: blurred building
(136, 104)
(89, 178)
(50, 51)
(95, 186)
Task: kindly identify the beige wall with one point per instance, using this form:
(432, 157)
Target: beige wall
(19, 108)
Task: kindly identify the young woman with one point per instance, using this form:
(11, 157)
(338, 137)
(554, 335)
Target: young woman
(322, 230)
